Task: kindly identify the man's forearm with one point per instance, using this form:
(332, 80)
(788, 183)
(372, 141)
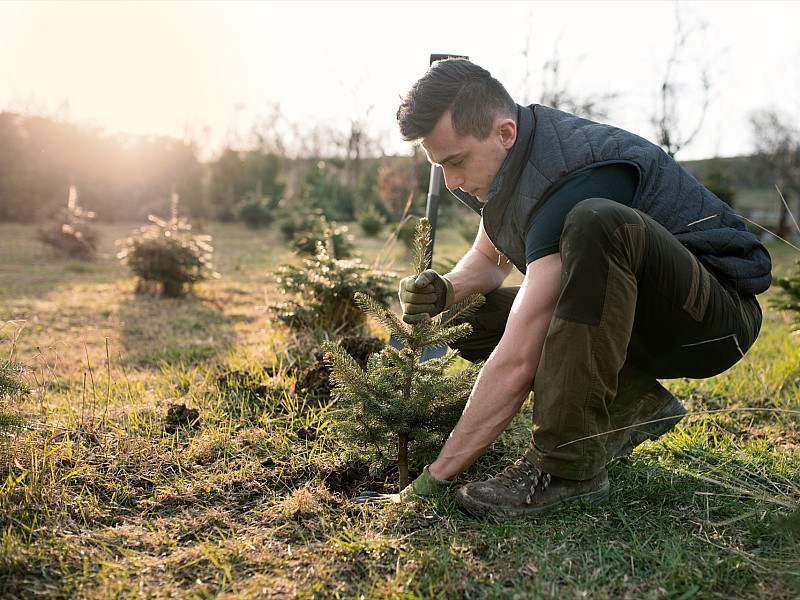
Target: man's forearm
(495, 400)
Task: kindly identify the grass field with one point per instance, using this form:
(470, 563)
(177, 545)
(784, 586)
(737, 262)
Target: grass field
(98, 499)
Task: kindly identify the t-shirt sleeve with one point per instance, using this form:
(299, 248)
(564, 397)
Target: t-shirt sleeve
(616, 182)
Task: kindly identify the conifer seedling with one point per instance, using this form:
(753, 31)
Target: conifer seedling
(12, 385)
(400, 407)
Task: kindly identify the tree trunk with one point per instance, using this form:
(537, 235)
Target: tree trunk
(402, 459)
(402, 438)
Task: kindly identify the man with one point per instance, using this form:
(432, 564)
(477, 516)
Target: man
(633, 271)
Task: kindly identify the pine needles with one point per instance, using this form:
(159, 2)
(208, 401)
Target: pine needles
(12, 385)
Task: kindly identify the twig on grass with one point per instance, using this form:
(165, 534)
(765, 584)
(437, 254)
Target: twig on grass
(19, 325)
(91, 376)
(108, 385)
(688, 414)
(745, 490)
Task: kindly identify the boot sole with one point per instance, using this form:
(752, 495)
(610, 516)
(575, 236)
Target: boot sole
(661, 422)
(480, 509)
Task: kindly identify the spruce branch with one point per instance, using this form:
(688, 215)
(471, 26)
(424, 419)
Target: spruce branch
(460, 311)
(11, 378)
(12, 385)
(9, 421)
(385, 317)
(435, 337)
(346, 372)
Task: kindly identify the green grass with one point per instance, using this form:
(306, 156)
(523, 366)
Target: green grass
(98, 501)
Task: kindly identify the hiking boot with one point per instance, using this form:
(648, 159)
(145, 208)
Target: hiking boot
(524, 490)
(650, 416)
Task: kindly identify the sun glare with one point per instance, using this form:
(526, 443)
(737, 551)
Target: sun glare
(141, 67)
(167, 67)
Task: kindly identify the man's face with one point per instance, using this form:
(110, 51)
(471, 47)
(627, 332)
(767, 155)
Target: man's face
(469, 164)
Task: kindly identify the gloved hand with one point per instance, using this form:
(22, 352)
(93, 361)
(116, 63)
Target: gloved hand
(425, 296)
(426, 485)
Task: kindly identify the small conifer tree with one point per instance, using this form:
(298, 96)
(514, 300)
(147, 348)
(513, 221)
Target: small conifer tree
(71, 234)
(12, 386)
(166, 256)
(318, 295)
(400, 406)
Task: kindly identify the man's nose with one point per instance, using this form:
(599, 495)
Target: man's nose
(452, 180)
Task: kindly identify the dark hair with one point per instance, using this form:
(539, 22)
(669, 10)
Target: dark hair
(472, 96)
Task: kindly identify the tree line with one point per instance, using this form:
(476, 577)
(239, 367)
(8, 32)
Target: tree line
(124, 178)
(119, 178)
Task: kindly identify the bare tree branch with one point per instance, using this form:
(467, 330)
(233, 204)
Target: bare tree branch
(669, 114)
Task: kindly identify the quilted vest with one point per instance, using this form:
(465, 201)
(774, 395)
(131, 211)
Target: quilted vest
(552, 144)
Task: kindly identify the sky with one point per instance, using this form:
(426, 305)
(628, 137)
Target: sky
(207, 70)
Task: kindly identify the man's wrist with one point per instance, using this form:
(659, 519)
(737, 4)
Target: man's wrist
(450, 294)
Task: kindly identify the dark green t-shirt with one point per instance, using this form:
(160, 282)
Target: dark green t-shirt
(616, 182)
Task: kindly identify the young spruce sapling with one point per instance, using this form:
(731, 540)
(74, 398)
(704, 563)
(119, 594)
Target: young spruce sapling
(401, 407)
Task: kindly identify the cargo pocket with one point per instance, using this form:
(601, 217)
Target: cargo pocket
(697, 299)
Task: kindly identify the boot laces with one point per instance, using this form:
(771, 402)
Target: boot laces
(524, 475)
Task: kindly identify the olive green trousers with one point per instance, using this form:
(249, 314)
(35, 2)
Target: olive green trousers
(633, 296)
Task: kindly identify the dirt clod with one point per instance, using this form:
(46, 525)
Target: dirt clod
(178, 415)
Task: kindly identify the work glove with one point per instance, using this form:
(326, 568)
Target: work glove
(424, 486)
(425, 296)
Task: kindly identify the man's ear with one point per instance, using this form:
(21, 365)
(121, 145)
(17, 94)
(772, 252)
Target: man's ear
(507, 130)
